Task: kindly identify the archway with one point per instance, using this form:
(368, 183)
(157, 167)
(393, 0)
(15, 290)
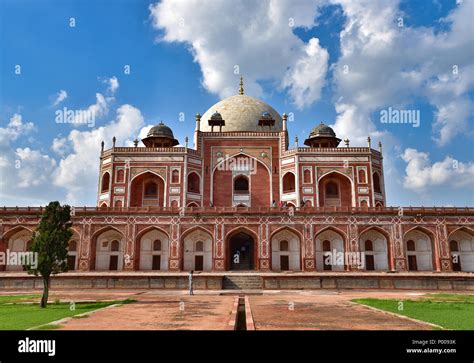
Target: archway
(288, 182)
(194, 183)
(377, 184)
(374, 244)
(154, 250)
(72, 252)
(105, 185)
(197, 251)
(147, 189)
(108, 247)
(241, 251)
(286, 251)
(419, 250)
(335, 190)
(330, 251)
(255, 191)
(461, 245)
(18, 243)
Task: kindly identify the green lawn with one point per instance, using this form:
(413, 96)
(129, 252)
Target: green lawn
(19, 316)
(451, 311)
(6, 299)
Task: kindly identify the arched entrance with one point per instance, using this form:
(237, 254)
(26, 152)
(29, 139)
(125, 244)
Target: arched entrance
(374, 245)
(153, 250)
(419, 250)
(335, 190)
(147, 189)
(248, 179)
(461, 246)
(330, 251)
(197, 251)
(19, 242)
(241, 252)
(107, 250)
(286, 251)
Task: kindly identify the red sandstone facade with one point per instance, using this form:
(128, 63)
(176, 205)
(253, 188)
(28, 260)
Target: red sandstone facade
(242, 199)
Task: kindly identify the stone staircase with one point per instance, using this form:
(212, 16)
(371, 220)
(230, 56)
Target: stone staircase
(242, 282)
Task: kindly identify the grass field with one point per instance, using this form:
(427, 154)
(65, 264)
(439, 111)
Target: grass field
(15, 314)
(11, 299)
(450, 311)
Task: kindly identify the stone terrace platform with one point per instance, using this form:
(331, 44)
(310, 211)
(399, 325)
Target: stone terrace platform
(245, 280)
(161, 309)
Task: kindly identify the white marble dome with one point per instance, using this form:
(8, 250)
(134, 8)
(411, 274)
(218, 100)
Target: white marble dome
(241, 113)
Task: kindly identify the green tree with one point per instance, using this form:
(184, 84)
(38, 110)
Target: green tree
(50, 242)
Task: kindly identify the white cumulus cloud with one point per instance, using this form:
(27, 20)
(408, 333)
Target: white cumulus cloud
(14, 129)
(91, 113)
(383, 65)
(78, 172)
(60, 97)
(24, 172)
(113, 84)
(257, 38)
(422, 174)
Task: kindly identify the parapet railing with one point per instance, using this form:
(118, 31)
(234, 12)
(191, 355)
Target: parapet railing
(329, 150)
(401, 211)
(239, 133)
(142, 150)
(184, 150)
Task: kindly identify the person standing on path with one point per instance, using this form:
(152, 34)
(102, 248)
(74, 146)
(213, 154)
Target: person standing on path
(191, 292)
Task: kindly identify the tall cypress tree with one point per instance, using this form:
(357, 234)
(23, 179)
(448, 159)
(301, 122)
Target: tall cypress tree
(50, 242)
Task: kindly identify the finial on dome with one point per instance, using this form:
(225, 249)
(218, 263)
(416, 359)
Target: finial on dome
(241, 88)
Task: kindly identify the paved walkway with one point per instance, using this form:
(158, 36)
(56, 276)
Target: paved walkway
(325, 311)
(274, 310)
(176, 312)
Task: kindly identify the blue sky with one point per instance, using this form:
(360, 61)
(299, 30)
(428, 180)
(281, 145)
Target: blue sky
(168, 45)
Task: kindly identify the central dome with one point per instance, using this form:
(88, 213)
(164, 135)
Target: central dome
(241, 113)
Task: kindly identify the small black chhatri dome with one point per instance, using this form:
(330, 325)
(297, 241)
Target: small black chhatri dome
(322, 136)
(216, 116)
(160, 136)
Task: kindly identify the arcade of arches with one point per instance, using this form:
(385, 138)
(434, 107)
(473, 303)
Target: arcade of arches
(237, 215)
(240, 250)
